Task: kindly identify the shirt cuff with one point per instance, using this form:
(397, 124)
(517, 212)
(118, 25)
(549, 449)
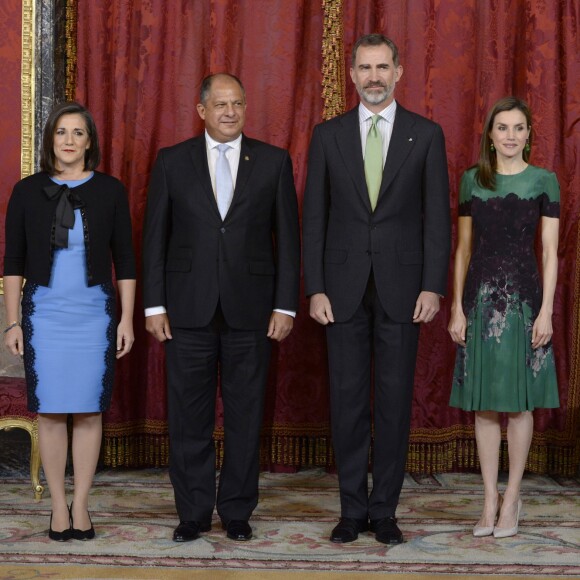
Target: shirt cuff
(291, 313)
(155, 310)
(161, 310)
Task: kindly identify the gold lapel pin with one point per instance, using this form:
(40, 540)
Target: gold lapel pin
(246, 158)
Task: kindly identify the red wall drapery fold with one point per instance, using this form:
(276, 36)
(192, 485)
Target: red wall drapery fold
(139, 68)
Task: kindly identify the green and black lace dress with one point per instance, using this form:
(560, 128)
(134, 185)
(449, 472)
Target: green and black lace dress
(499, 370)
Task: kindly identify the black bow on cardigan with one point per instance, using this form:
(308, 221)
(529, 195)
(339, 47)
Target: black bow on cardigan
(65, 211)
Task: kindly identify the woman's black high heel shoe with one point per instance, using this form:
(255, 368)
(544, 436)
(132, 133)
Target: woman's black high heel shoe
(63, 536)
(81, 534)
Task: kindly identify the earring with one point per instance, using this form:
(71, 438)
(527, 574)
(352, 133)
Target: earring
(491, 147)
(527, 147)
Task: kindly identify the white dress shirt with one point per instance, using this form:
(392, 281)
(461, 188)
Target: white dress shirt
(384, 126)
(233, 157)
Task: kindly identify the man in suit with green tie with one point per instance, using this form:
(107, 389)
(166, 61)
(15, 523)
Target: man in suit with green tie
(376, 236)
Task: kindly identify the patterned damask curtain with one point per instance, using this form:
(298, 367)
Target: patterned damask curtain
(138, 69)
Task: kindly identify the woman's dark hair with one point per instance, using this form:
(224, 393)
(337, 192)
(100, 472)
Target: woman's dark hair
(487, 162)
(92, 154)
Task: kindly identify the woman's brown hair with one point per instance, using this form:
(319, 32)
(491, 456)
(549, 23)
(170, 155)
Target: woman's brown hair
(487, 162)
(92, 154)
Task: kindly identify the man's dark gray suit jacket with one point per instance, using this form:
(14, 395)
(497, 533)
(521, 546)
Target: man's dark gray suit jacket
(406, 240)
(250, 261)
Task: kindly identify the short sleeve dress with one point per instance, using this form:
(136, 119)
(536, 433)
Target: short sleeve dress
(498, 370)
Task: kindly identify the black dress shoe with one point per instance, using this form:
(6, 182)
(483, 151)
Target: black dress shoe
(347, 530)
(188, 531)
(81, 534)
(239, 530)
(63, 536)
(386, 530)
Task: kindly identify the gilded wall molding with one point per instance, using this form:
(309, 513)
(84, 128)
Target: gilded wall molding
(27, 93)
(27, 87)
(41, 77)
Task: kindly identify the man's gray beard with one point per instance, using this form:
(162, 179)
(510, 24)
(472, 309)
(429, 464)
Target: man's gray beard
(377, 98)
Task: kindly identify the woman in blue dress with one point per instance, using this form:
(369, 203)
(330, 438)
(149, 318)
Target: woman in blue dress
(64, 227)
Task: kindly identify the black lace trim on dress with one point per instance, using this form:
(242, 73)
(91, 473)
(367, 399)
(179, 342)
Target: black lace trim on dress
(28, 309)
(109, 372)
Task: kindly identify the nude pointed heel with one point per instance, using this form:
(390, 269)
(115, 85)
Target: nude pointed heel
(507, 532)
(482, 531)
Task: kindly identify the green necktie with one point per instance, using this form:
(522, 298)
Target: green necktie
(374, 161)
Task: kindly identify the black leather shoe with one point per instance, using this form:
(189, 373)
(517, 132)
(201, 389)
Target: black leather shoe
(63, 536)
(188, 531)
(386, 530)
(239, 530)
(347, 530)
(81, 534)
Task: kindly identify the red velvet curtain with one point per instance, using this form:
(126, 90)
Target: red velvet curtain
(10, 118)
(460, 57)
(140, 64)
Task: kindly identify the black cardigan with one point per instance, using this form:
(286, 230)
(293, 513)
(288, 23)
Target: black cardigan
(107, 230)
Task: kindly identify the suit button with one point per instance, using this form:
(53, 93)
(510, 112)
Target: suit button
(223, 230)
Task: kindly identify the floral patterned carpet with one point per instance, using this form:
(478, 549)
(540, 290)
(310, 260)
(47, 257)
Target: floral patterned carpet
(134, 517)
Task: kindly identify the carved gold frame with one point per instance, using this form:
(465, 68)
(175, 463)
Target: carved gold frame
(27, 91)
(30, 425)
(27, 87)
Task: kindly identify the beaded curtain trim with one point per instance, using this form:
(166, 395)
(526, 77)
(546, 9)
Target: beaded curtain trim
(333, 85)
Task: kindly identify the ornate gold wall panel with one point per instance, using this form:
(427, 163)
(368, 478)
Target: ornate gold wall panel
(27, 87)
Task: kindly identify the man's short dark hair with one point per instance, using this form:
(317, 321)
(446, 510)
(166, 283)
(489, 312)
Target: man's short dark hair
(375, 40)
(208, 80)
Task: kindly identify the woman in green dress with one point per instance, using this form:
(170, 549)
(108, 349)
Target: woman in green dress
(501, 314)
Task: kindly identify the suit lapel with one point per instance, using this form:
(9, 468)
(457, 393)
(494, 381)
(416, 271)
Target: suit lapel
(350, 147)
(403, 139)
(201, 166)
(247, 160)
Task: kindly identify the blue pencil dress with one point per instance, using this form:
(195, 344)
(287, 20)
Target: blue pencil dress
(69, 333)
